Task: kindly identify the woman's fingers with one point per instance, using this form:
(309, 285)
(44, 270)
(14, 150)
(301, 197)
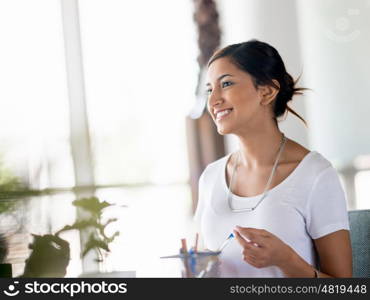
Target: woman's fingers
(255, 231)
(251, 250)
(251, 254)
(240, 239)
(248, 248)
(253, 261)
(256, 236)
(269, 250)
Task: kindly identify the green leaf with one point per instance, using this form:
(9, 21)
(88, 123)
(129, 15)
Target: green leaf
(79, 225)
(101, 228)
(93, 243)
(111, 239)
(111, 220)
(91, 204)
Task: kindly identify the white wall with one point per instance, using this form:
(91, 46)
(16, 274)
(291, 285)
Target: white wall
(335, 39)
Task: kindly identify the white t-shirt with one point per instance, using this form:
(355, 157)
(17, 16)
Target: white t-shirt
(308, 204)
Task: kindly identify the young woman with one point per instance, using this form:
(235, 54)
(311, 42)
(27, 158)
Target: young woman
(283, 202)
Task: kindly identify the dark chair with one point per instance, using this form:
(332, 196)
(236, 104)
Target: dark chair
(359, 222)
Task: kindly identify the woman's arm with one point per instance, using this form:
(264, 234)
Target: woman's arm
(335, 255)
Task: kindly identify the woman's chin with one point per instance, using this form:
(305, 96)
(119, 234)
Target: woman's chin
(223, 130)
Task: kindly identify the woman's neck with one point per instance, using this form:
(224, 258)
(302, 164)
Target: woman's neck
(260, 148)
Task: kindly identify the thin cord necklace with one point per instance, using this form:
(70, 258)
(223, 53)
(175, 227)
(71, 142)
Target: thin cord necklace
(265, 192)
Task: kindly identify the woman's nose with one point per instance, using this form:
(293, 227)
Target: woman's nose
(214, 98)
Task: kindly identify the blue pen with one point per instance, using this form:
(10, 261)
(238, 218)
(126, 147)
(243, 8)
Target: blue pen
(224, 244)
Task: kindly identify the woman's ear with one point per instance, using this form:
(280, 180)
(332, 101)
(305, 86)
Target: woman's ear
(268, 93)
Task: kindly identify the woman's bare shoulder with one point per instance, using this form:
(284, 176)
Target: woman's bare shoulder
(295, 152)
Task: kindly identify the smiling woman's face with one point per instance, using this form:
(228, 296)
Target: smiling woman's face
(231, 91)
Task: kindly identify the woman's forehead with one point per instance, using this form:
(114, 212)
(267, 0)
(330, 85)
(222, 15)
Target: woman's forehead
(221, 67)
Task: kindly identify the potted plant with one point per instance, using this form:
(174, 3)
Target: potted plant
(93, 224)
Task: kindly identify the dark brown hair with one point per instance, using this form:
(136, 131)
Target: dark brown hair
(263, 62)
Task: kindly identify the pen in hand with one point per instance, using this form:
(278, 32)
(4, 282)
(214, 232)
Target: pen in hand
(224, 244)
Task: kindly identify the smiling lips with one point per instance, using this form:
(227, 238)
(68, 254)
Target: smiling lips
(222, 114)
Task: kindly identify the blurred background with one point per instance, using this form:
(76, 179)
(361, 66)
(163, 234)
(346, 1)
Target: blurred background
(105, 99)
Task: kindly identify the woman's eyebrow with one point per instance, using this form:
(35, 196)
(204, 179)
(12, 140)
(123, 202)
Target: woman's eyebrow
(219, 78)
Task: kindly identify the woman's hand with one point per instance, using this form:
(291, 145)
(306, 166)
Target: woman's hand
(261, 248)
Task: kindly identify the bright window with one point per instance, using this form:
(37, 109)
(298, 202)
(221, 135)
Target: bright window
(140, 72)
(140, 66)
(34, 126)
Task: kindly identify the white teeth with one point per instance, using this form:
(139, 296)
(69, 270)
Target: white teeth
(223, 113)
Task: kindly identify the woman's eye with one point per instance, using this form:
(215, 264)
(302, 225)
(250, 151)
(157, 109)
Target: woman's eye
(208, 91)
(226, 83)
